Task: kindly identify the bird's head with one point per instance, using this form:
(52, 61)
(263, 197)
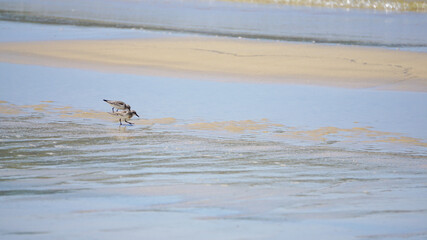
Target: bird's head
(134, 113)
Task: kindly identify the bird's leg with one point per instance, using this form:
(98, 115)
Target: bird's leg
(112, 110)
(121, 121)
(129, 122)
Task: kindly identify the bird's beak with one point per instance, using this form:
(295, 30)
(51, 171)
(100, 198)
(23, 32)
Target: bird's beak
(136, 114)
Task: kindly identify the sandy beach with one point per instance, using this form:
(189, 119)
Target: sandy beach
(225, 59)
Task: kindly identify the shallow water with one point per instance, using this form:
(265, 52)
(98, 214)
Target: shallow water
(281, 108)
(65, 165)
(211, 160)
(58, 175)
(279, 22)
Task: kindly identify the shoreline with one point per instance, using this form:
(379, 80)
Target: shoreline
(223, 59)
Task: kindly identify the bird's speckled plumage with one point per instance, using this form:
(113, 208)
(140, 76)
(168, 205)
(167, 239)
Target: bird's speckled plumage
(118, 105)
(124, 115)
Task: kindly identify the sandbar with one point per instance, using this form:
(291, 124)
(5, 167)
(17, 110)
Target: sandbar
(225, 59)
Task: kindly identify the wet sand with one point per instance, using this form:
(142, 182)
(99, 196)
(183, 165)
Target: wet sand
(276, 131)
(226, 59)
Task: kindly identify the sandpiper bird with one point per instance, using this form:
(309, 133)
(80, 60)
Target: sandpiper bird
(125, 115)
(118, 105)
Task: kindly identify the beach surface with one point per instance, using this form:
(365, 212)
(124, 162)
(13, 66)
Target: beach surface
(225, 59)
(237, 138)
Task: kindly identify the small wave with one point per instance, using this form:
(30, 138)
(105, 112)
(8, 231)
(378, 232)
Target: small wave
(381, 5)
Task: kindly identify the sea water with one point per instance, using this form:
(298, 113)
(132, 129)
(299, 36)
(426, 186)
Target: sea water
(208, 160)
(369, 27)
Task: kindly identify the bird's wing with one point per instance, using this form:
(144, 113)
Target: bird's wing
(117, 114)
(115, 102)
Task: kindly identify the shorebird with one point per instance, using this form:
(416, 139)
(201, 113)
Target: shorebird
(125, 115)
(118, 105)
